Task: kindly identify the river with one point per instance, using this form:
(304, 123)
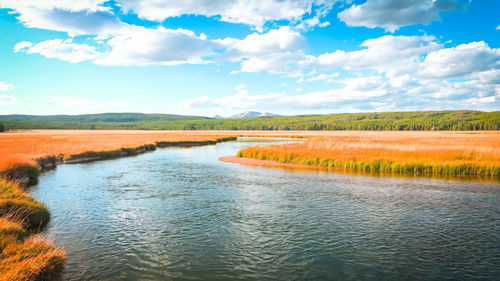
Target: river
(180, 214)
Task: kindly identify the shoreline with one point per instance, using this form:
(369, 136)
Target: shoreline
(347, 171)
(52, 161)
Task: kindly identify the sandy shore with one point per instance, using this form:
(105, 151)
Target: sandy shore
(267, 163)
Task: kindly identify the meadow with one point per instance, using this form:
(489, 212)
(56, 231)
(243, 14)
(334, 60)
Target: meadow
(415, 153)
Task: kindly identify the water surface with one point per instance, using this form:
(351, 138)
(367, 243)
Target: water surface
(179, 214)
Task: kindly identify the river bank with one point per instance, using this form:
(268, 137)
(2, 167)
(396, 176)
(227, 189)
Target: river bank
(407, 153)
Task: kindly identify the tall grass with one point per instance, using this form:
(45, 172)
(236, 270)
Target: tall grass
(443, 153)
(23, 147)
(25, 257)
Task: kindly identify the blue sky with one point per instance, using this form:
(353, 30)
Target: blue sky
(204, 57)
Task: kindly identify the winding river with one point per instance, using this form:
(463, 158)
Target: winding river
(180, 214)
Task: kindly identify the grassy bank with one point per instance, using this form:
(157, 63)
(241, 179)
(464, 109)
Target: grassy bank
(424, 153)
(23, 255)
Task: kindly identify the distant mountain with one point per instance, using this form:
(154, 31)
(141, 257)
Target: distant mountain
(102, 117)
(217, 117)
(253, 114)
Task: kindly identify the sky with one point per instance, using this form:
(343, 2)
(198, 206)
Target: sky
(204, 57)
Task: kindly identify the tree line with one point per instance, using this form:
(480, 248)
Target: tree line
(387, 121)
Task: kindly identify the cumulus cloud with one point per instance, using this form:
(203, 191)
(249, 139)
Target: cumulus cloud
(393, 14)
(460, 60)
(64, 50)
(251, 12)
(138, 46)
(143, 46)
(68, 5)
(74, 17)
(274, 51)
(421, 57)
(4, 87)
(394, 55)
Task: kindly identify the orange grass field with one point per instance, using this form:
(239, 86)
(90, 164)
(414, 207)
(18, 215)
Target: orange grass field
(442, 152)
(23, 146)
(368, 150)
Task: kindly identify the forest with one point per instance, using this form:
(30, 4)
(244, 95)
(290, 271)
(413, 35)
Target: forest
(462, 120)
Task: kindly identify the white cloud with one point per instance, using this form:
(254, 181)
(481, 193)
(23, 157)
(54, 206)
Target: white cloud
(4, 87)
(8, 100)
(355, 89)
(328, 78)
(251, 12)
(143, 46)
(393, 55)
(59, 49)
(489, 76)
(418, 57)
(372, 93)
(312, 22)
(460, 60)
(274, 51)
(275, 41)
(393, 14)
(67, 5)
(240, 87)
(74, 17)
(22, 45)
(133, 46)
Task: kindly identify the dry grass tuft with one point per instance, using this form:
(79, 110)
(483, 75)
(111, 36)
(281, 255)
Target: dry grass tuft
(32, 259)
(23, 257)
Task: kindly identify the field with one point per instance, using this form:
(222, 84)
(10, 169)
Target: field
(21, 147)
(410, 152)
(419, 153)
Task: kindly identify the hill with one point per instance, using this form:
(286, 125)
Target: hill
(415, 121)
(103, 117)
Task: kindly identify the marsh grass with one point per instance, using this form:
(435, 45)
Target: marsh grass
(398, 153)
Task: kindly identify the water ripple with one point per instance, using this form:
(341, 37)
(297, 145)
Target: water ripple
(179, 214)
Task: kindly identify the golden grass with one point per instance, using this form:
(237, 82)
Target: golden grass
(23, 146)
(23, 257)
(452, 153)
(31, 259)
